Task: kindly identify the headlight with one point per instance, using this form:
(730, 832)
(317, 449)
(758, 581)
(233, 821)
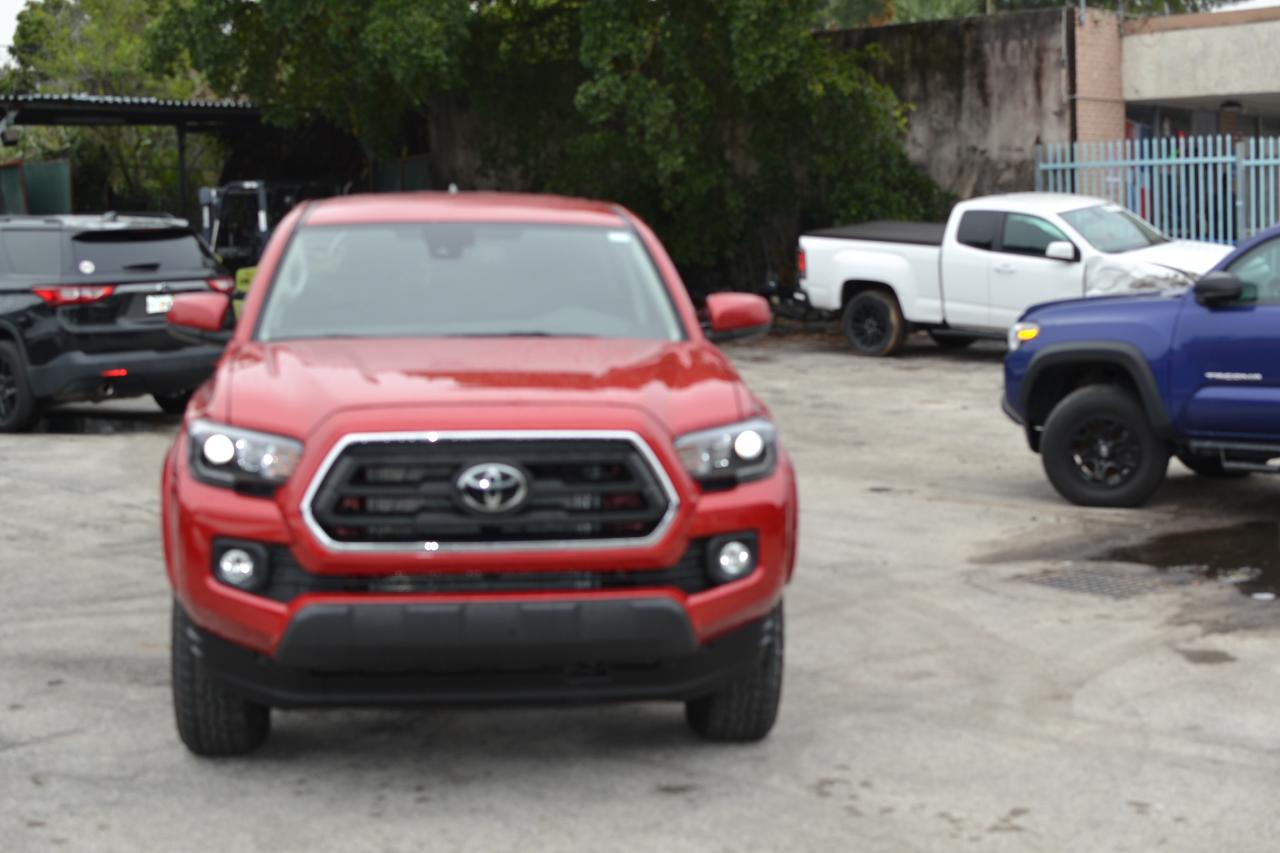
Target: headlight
(730, 454)
(1022, 333)
(240, 458)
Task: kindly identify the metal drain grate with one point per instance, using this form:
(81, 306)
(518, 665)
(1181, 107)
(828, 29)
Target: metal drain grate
(1116, 583)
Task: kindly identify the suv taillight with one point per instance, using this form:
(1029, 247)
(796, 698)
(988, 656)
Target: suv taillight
(222, 284)
(802, 266)
(75, 294)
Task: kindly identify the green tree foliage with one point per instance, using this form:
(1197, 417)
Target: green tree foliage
(726, 124)
(843, 14)
(101, 47)
(362, 64)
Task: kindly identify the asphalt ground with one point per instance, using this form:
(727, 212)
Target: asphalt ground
(969, 665)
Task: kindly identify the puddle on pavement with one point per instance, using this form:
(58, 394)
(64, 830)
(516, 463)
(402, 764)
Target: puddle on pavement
(1246, 556)
(103, 422)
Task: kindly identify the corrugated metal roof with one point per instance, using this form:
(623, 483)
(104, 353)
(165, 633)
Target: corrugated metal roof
(122, 100)
(78, 108)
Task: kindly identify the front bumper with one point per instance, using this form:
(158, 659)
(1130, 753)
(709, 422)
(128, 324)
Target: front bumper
(77, 375)
(619, 650)
(196, 514)
(367, 637)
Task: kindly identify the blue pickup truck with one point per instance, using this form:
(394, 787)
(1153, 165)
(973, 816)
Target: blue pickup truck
(1108, 389)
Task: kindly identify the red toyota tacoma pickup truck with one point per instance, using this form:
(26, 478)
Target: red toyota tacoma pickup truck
(473, 448)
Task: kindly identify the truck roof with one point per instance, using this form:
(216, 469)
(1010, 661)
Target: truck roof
(1034, 202)
(931, 234)
(462, 207)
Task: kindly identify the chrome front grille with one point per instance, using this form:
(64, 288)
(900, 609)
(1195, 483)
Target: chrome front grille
(402, 491)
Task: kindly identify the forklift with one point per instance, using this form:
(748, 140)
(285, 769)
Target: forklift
(237, 218)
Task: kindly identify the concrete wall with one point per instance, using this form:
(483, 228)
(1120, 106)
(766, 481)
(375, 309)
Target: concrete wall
(983, 92)
(1203, 56)
(1099, 90)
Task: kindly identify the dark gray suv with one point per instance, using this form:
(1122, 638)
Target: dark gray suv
(82, 311)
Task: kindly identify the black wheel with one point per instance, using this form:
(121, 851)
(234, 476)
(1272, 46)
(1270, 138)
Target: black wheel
(1098, 449)
(1208, 466)
(18, 410)
(874, 324)
(952, 341)
(744, 709)
(211, 721)
(173, 404)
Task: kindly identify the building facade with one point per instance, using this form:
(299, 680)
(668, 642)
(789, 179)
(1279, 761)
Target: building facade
(983, 92)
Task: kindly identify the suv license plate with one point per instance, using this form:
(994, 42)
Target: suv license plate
(159, 303)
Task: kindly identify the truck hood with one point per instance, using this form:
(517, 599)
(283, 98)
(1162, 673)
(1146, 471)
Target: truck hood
(290, 387)
(1189, 256)
(1099, 312)
(1166, 266)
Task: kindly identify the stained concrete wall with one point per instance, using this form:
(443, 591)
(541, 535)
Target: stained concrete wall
(983, 92)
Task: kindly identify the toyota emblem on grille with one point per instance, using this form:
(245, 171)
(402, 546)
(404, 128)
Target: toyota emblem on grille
(492, 487)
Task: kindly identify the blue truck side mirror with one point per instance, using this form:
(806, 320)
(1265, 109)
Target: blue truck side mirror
(1218, 287)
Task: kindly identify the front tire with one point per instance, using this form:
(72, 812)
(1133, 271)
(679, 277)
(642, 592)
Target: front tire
(873, 323)
(18, 409)
(746, 708)
(1098, 449)
(211, 721)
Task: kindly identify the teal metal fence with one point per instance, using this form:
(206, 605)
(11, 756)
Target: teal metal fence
(1195, 187)
(1260, 184)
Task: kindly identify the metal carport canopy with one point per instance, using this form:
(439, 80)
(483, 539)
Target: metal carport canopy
(109, 110)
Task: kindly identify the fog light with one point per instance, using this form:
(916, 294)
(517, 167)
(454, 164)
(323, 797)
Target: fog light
(219, 449)
(731, 557)
(237, 567)
(735, 559)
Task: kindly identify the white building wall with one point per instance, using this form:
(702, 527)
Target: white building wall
(1202, 62)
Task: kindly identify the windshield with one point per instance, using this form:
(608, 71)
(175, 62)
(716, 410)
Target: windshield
(481, 279)
(1112, 228)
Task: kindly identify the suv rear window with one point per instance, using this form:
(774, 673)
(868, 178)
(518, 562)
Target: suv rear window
(140, 250)
(32, 252)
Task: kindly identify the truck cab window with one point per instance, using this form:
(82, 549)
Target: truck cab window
(1259, 272)
(1028, 235)
(978, 229)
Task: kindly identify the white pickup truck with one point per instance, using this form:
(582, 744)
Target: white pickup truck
(995, 257)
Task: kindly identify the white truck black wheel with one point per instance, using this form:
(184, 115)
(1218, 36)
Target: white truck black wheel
(874, 324)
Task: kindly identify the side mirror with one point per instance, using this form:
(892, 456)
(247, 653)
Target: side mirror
(1061, 250)
(201, 318)
(737, 315)
(1216, 288)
